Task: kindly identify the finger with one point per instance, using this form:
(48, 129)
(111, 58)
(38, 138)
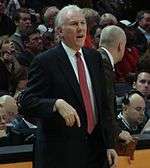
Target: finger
(115, 160)
(109, 158)
(130, 139)
(77, 119)
(67, 121)
(71, 119)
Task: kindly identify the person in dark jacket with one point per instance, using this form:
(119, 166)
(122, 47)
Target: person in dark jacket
(132, 115)
(71, 132)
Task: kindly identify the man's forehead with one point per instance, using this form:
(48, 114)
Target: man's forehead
(146, 15)
(34, 35)
(74, 14)
(25, 15)
(144, 75)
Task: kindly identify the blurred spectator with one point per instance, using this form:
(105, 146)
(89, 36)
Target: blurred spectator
(48, 40)
(131, 56)
(21, 83)
(12, 6)
(14, 129)
(144, 23)
(23, 23)
(107, 19)
(33, 45)
(36, 18)
(7, 27)
(9, 67)
(8, 109)
(95, 33)
(142, 27)
(92, 18)
(142, 84)
(132, 114)
(49, 19)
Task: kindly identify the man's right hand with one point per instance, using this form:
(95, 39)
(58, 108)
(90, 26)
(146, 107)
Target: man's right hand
(67, 112)
(126, 137)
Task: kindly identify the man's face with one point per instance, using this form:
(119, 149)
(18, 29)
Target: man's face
(97, 36)
(135, 110)
(2, 7)
(73, 31)
(51, 17)
(8, 51)
(145, 22)
(35, 43)
(3, 118)
(143, 83)
(24, 22)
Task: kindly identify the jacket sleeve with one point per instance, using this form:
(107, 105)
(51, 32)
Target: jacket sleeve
(110, 126)
(34, 101)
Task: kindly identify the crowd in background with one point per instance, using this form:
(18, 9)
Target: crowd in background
(27, 30)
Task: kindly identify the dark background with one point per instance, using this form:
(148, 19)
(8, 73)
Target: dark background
(122, 9)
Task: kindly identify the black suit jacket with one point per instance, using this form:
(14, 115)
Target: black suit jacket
(52, 77)
(109, 76)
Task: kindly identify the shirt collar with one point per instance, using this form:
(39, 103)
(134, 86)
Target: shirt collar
(142, 30)
(70, 51)
(120, 116)
(110, 57)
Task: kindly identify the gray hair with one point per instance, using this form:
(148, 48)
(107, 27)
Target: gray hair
(111, 35)
(59, 21)
(108, 17)
(90, 15)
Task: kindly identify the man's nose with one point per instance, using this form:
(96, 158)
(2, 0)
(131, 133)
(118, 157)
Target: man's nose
(146, 84)
(28, 22)
(80, 26)
(2, 120)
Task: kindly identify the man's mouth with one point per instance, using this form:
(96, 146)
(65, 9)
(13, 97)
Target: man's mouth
(80, 36)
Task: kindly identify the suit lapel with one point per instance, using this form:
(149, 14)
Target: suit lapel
(108, 69)
(68, 72)
(106, 59)
(93, 63)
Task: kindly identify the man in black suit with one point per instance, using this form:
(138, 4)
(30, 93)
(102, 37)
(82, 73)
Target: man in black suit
(68, 135)
(111, 48)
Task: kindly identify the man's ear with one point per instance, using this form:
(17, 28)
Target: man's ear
(119, 46)
(16, 23)
(124, 108)
(59, 31)
(134, 85)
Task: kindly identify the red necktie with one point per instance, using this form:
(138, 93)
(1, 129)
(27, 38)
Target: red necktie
(85, 93)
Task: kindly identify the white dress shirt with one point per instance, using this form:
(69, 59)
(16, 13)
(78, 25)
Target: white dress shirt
(71, 55)
(110, 57)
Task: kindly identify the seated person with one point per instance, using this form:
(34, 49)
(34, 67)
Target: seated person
(15, 130)
(10, 68)
(142, 84)
(132, 115)
(8, 110)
